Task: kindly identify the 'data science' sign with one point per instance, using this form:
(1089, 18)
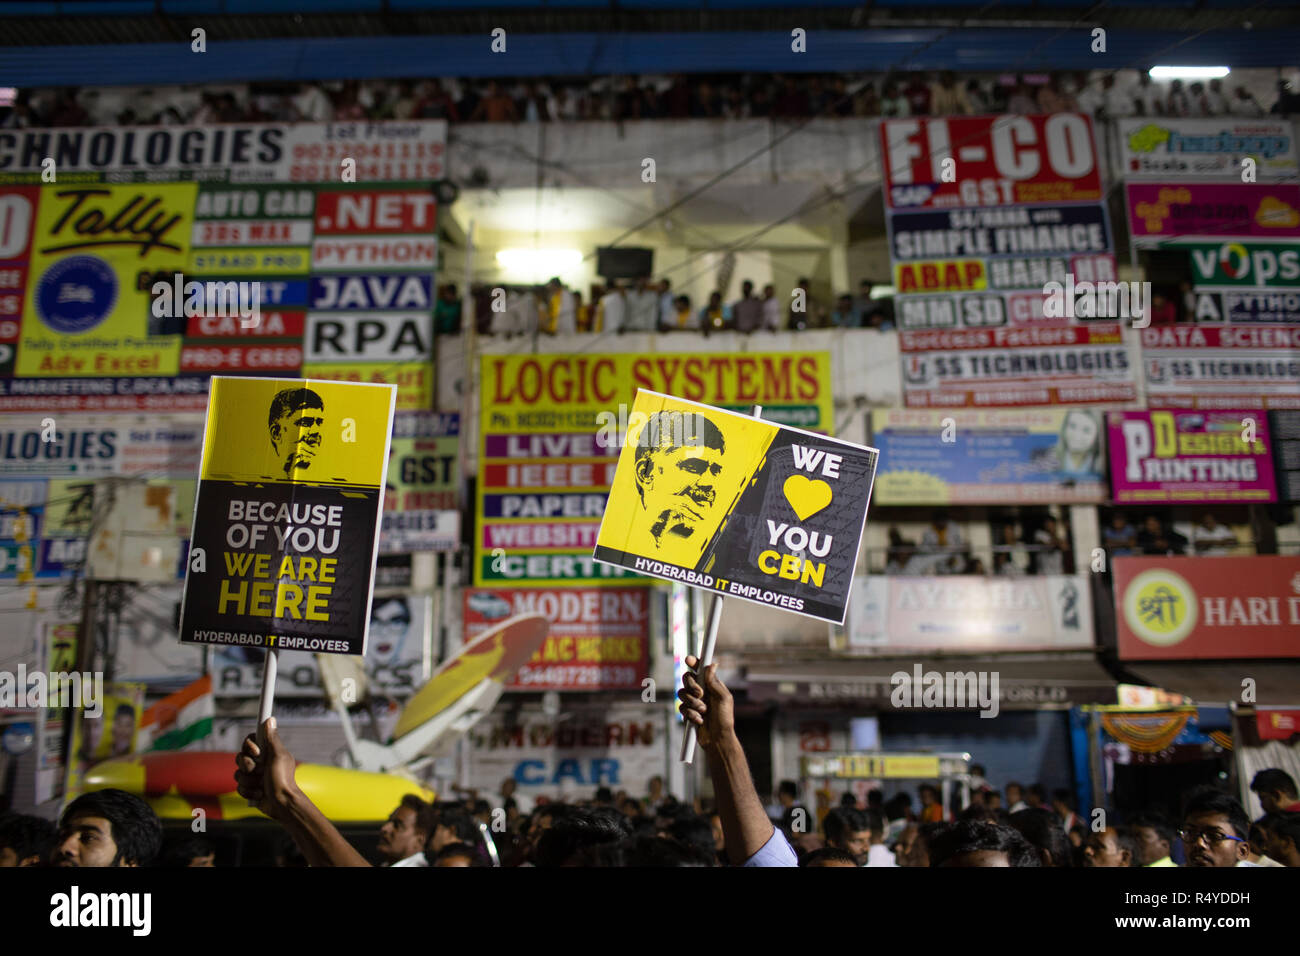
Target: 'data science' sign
(286, 525)
(739, 505)
(1185, 457)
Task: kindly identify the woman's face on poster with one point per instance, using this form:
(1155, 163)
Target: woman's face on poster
(1080, 433)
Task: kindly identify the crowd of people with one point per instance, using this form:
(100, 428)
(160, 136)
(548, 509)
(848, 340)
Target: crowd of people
(643, 305)
(677, 96)
(1016, 550)
(115, 828)
(1156, 536)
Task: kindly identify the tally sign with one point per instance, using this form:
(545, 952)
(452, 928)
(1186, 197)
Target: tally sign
(286, 521)
(738, 505)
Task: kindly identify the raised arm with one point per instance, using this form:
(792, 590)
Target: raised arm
(745, 825)
(268, 778)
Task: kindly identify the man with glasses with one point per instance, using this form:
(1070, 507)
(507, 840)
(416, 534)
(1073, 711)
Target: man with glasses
(1215, 830)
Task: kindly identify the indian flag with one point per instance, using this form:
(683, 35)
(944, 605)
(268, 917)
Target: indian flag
(181, 721)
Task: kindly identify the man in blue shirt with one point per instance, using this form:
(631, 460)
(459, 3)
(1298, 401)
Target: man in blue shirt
(749, 836)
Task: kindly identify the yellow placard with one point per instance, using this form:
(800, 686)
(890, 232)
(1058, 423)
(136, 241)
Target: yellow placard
(295, 430)
(88, 307)
(679, 476)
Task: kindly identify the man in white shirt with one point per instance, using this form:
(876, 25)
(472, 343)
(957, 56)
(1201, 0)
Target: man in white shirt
(1149, 97)
(1051, 560)
(1210, 537)
(940, 542)
(1014, 802)
(313, 105)
(613, 308)
(519, 316)
(1117, 101)
(1215, 99)
(1092, 98)
(642, 308)
(878, 854)
(403, 836)
(667, 308)
(771, 309)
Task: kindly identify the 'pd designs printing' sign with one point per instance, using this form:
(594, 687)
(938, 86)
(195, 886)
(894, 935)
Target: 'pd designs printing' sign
(286, 524)
(738, 505)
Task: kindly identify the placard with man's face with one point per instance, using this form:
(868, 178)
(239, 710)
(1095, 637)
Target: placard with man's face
(738, 505)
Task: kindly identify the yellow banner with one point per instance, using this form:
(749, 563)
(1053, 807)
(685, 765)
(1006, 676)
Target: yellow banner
(88, 309)
(414, 380)
(546, 393)
(284, 430)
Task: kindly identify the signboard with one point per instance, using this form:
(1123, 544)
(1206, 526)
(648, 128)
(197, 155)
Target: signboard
(599, 637)
(551, 428)
(81, 322)
(980, 457)
(616, 746)
(287, 517)
(1207, 608)
(1250, 307)
(1239, 266)
(384, 151)
(874, 767)
(1284, 429)
(89, 447)
(1000, 231)
(94, 249)
(739, 505)
(397, 663)
(187, 393)
(1254, 210)
(1194, 366)
(995, 161)
(1184, 457)
(1066, 365)
(970, 614)
(1200, 149)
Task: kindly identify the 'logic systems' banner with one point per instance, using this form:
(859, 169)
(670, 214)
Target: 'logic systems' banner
(1186, 457)
(739, 505)
(549, 438)
(286, 525)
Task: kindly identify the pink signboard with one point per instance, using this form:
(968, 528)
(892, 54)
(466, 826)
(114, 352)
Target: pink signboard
(1186, 457)
(1224, 210)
